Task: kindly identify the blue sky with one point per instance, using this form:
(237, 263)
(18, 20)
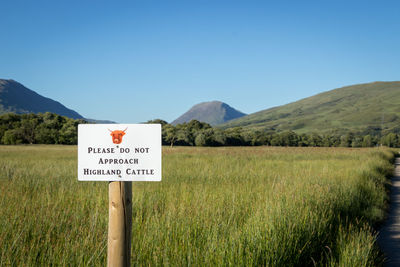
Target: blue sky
(131, 61)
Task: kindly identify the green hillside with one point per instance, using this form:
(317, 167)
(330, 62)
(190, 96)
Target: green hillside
(359, 108)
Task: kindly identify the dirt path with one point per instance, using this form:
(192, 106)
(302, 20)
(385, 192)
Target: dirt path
(389, 236)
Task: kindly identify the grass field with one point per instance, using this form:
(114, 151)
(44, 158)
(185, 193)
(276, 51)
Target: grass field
(215, 206)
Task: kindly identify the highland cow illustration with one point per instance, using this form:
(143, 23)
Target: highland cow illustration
(117, 136)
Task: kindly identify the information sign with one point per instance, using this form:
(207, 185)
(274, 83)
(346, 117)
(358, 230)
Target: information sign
(119, 152)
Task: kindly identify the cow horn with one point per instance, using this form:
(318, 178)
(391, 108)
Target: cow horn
(125, 129)
(109, 130)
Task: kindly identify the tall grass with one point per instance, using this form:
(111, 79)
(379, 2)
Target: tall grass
(214, 206)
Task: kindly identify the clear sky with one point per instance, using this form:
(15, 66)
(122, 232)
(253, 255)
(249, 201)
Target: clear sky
(132, 61)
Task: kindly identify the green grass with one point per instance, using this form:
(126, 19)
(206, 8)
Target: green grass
(215, 206)
(351, 108)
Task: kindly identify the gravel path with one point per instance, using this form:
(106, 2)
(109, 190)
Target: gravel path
(389, 236)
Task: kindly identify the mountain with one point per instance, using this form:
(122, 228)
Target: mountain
(214, 112)
(16, 98)
(361, 108)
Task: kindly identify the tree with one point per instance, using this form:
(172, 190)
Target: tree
(205, 137)
(234, 136)
(357, 141)
(169, 134)
(289, 138)
(67, 134)
(303, 140)
(346, 140)
(200, 140)
(367, 141)
(276, 140)
(13, 137)
(314, 140)
(219, 137)
(28, 126)
(45, 135)
(389, 140)
(184, 137)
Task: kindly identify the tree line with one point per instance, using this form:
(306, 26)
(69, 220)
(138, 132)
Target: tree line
(42, 128)
(49, 128)
(195, 133)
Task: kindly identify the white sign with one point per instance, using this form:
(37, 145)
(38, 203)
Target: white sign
(119, 152)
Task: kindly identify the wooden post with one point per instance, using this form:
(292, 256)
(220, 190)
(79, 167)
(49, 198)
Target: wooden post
(119, 224)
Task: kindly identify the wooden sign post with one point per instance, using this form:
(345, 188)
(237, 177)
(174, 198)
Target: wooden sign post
(131, 153)
(119, 223)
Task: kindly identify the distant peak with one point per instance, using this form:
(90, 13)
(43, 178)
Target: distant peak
(215, 102)
(212, 112)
